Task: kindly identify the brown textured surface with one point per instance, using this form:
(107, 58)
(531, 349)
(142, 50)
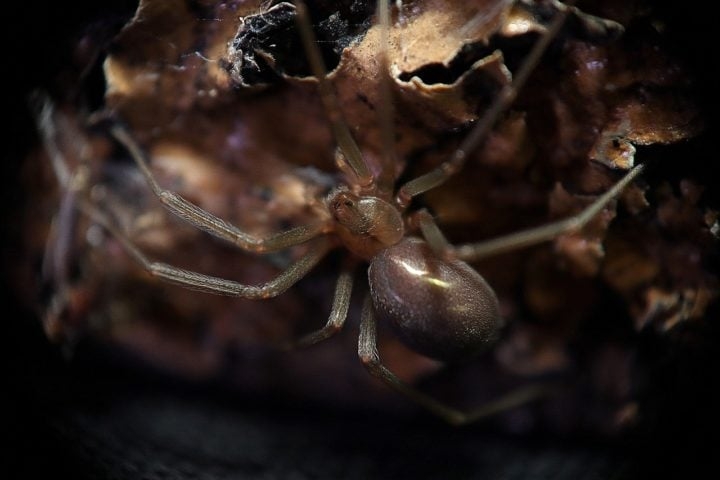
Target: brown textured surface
(574, 306)
(61, 421)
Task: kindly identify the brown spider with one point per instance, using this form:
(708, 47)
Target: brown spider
(419, 283)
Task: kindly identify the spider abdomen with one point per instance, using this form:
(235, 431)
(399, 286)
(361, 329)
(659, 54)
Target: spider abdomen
(442, 309)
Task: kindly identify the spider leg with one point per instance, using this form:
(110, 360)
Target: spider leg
(53, 126)
(525, 238)
(367, 351)
(477, 135)
(208, 222)
(431, 232)
(207, 283)
(60, 136)
(338, 312)
(341, 132)
(385, 107)
(56, 260)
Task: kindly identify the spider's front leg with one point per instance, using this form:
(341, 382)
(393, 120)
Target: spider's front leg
(477, 135)
(205, 220)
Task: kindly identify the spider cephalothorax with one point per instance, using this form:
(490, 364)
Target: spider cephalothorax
(366, 224)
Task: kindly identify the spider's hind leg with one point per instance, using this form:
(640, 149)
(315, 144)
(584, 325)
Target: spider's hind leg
(368, 353)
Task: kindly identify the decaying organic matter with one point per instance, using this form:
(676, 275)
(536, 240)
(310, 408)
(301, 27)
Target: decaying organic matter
(254, 148)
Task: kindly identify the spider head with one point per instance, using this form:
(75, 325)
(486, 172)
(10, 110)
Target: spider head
(366, 224)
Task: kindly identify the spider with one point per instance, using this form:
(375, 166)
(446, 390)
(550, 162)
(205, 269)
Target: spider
(420, 284)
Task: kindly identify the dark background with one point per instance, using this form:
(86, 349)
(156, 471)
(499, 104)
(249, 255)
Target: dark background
(98, 417)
